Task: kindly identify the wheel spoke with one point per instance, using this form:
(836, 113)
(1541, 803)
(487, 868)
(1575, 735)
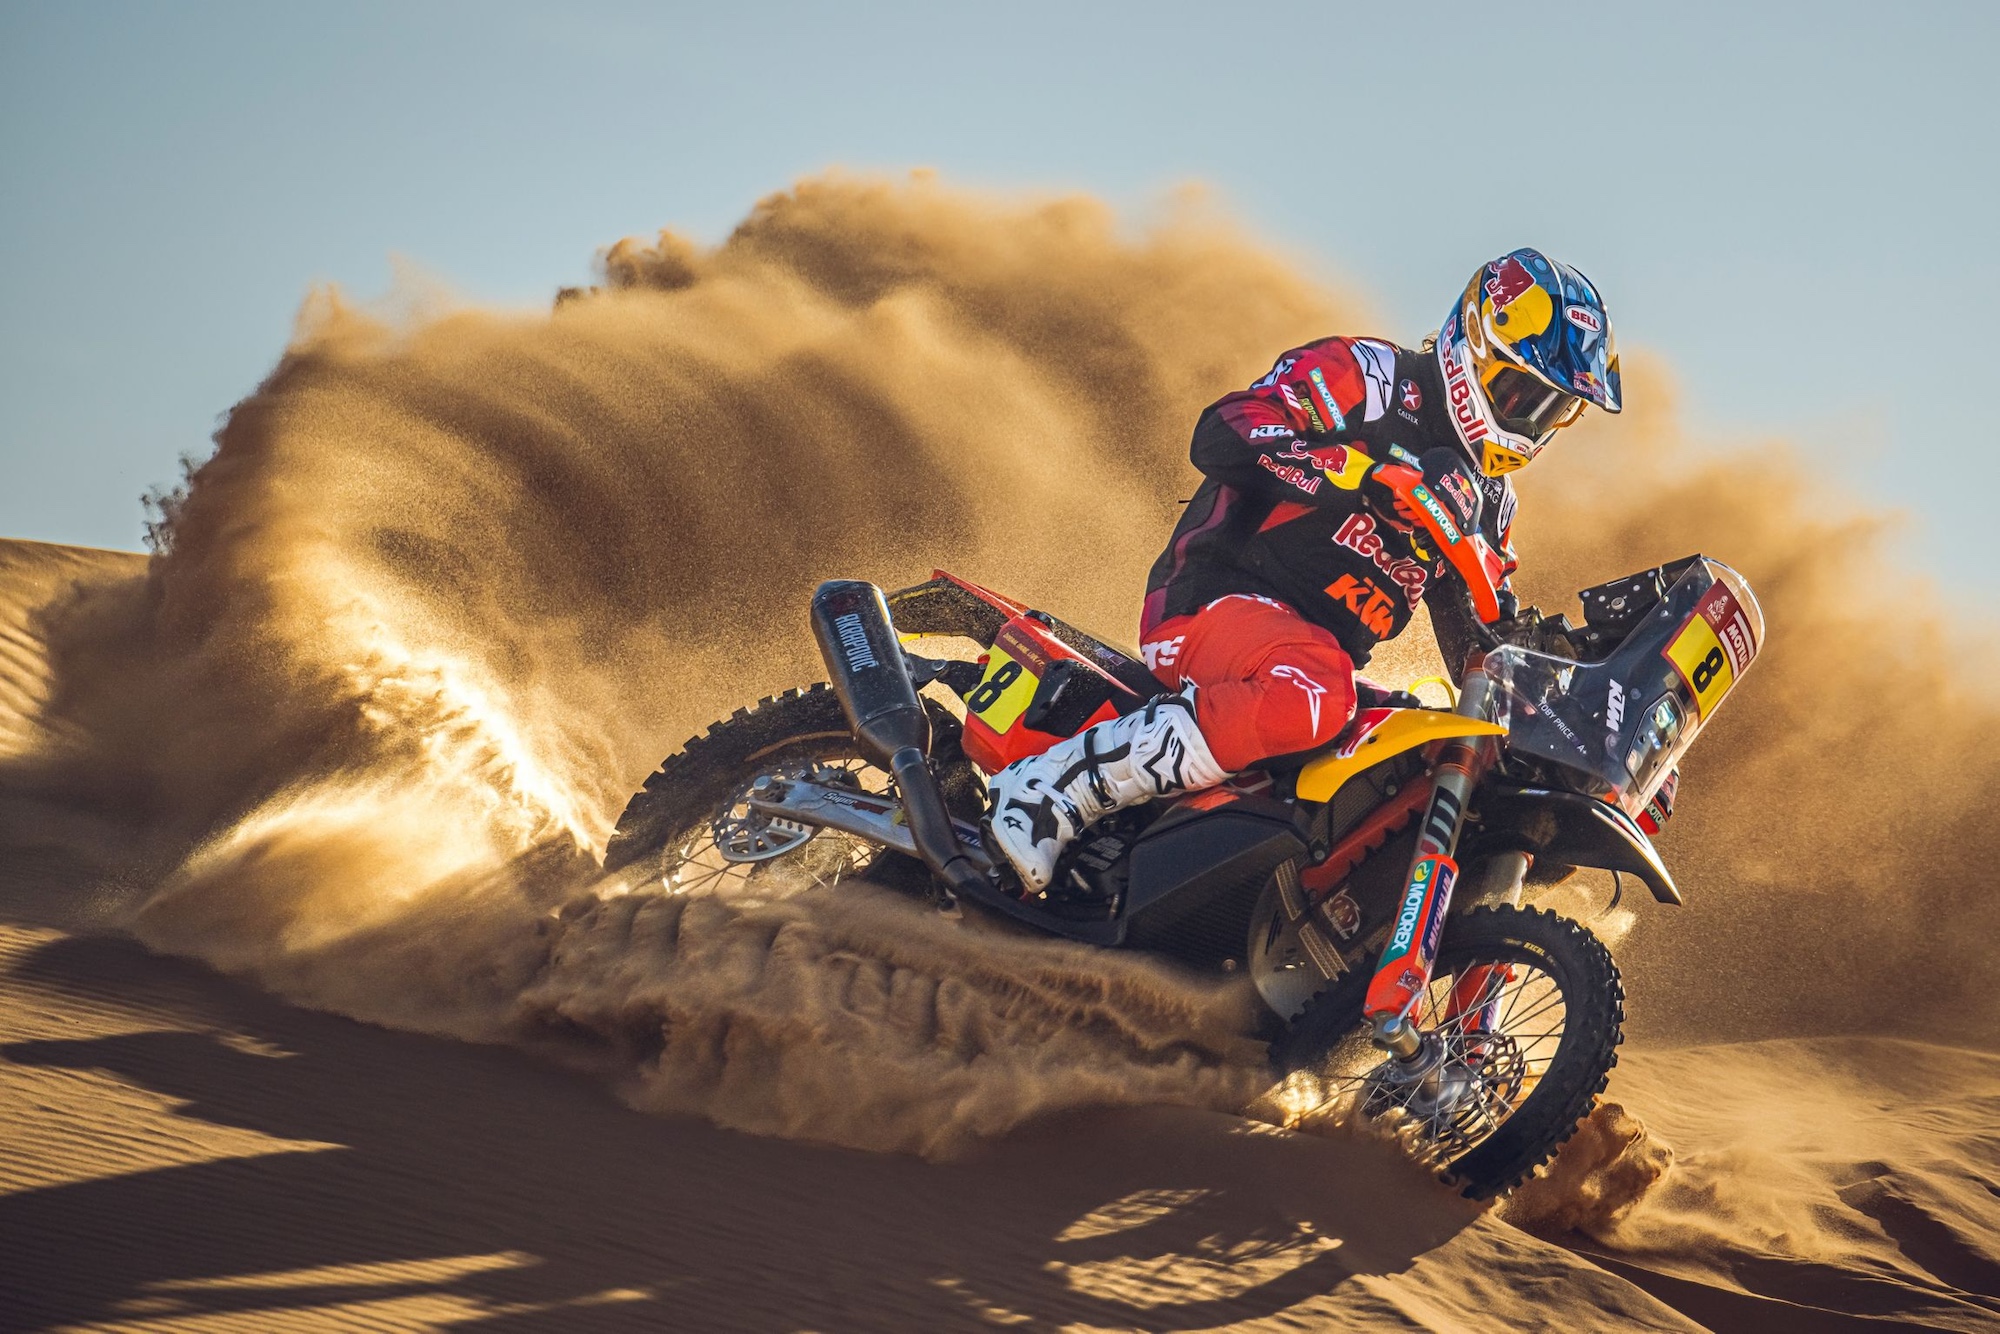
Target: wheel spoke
(744, 853)
(1480, 1072)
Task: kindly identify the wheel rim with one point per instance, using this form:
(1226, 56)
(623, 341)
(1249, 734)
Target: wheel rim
(1492, 1028)
(741, 854)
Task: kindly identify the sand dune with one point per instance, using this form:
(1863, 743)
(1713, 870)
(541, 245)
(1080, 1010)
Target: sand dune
(180, 1146)
(1849, 1175)
(183, 1152)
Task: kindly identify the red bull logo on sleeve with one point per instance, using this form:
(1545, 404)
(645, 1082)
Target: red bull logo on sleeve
(1284, 472)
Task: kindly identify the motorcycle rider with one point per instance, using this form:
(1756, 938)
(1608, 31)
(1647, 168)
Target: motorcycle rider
(1293, 560)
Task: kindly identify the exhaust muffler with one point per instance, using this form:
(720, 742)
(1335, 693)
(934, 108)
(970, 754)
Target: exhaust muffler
(864, 661)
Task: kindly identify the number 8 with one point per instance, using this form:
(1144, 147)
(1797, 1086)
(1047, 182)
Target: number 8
(1705, 671)
(989, 691)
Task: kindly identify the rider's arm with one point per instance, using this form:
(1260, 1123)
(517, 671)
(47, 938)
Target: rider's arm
(1256, 440)
(1451, 619)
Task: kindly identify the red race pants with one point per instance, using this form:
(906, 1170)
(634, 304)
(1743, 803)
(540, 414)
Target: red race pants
(1267, 681)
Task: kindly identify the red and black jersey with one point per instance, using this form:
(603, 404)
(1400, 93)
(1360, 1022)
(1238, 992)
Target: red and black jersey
(1280, 512)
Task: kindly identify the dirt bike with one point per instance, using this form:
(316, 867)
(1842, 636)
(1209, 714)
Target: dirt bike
(1372, 891)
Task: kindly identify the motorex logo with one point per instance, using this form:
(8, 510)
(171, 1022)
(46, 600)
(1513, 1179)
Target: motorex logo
(1436, 511)
(1326, 397)
(1413, 905)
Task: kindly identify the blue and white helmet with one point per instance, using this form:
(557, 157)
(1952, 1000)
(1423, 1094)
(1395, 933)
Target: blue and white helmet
(1528, 346)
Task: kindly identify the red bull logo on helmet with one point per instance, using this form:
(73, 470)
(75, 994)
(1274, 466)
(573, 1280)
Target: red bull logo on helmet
(1506, 282)
(1458, 389)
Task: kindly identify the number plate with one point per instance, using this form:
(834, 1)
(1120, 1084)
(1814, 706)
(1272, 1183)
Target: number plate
(1004, 693)
(1713, 647)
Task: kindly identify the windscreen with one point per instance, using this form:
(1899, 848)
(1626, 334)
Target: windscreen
(1618, 727)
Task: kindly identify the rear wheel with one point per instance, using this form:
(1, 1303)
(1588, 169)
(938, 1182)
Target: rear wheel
(1521, 1027)
(691, 831)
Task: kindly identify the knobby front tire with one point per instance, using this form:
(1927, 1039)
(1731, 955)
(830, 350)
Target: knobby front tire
(1535, 1064)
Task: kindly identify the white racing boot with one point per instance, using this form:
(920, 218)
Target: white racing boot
(1043, 802)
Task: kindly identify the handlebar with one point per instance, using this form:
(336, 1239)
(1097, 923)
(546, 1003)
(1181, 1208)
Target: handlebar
(1487, 637)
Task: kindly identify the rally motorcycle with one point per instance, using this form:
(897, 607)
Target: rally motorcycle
(1371, 891)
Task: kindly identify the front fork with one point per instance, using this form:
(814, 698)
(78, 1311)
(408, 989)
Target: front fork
(1404, 974)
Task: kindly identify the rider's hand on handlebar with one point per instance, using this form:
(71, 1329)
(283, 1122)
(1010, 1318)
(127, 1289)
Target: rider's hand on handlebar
(1389, 507)
(1452, 482)
(1443, 474)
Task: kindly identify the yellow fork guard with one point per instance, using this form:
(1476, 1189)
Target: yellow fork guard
(1404, 729)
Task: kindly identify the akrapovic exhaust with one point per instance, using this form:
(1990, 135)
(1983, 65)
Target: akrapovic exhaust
(864, 661)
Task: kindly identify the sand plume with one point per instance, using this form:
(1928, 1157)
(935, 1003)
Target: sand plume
(450, 586)
(869, 1023)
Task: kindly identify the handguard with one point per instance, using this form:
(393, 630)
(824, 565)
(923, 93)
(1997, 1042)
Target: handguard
(1475, 562)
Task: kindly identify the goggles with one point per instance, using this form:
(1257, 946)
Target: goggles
(1526, 406)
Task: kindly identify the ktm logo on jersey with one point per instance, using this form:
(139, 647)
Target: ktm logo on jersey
(1371, 606)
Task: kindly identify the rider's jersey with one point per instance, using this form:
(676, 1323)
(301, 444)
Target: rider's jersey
(1280, 513)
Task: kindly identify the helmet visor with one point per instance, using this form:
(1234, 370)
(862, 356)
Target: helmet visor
(1526, 406)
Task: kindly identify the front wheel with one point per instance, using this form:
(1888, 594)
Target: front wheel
(1521, 1028)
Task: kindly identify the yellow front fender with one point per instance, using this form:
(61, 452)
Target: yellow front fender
(1377, 740)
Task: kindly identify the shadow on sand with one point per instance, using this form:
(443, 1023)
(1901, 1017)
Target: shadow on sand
(531, 1200)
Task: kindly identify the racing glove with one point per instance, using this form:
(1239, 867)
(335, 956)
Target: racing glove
(1387, 506)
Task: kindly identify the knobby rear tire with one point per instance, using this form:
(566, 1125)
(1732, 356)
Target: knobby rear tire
(692, 786)
(692, 782)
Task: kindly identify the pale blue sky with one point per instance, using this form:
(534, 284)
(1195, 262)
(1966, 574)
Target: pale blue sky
(1793, 203)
